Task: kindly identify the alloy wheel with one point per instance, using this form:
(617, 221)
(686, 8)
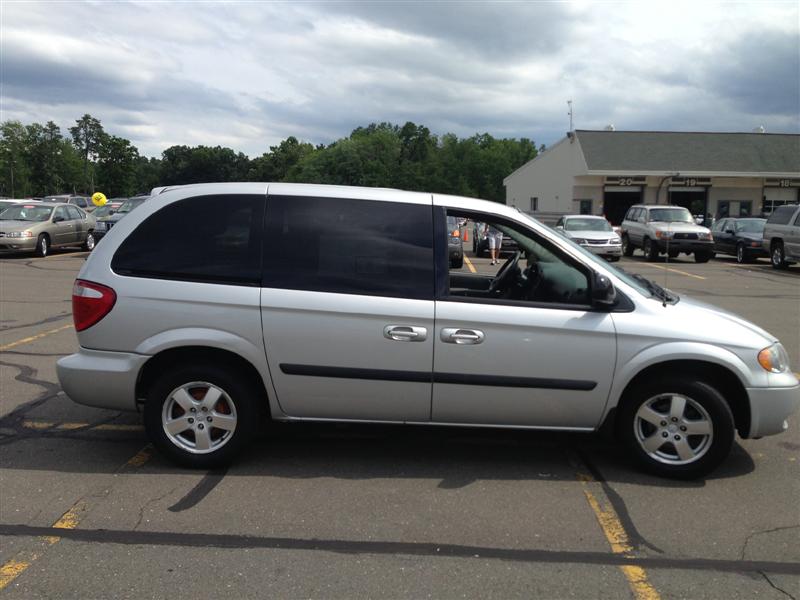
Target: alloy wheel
(199, 417)
(673, 429)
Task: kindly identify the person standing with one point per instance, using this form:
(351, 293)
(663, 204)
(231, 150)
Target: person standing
(495, 238)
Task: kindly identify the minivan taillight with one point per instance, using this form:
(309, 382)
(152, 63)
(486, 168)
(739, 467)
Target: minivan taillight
(90, 303)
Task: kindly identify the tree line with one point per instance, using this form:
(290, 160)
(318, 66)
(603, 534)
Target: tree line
(37, 160)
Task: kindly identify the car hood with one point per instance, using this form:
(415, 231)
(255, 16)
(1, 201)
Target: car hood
(717, 321)
(18, 225)
(679, 227)
(595, 235)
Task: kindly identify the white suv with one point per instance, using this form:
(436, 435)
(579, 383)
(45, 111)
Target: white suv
(213, 308)
(659, 229)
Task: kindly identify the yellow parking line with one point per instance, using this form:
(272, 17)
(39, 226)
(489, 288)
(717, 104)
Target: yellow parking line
(69, 520)
(33, 338)
(678, 271)
(470, 266)
(617, 538)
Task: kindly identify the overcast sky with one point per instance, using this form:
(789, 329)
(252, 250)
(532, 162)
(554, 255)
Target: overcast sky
(247, 75)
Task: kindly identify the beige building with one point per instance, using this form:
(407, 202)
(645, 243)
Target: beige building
(712, 174)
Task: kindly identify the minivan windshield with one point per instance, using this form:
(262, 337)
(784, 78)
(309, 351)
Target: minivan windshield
(671, 215)
(587, 225)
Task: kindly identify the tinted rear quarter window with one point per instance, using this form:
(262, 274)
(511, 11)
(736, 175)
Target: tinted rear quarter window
(214, 239)
(781, 215)
(349, 246)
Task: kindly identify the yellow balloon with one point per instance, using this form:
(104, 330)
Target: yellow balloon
(99, 199)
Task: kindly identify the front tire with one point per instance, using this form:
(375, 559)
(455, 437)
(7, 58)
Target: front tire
(702, 257)
(676, 427)
(650, 250)
(89, 243)
(627, 247)
(42, 245)
(741, 254)
(201, 415)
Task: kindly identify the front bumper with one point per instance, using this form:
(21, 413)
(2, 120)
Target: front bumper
(687, 246)
(13, 245)
(604, 249)
(769, 409)
(101, 378)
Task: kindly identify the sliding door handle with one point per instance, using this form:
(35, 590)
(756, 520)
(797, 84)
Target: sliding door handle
(405, 333)
(455, 335)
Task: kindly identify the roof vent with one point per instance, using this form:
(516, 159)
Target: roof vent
(759, 129)
(610, 127)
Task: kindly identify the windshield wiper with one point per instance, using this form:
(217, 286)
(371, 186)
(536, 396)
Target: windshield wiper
(656, 289)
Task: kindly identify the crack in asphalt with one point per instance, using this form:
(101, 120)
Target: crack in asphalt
(780, 589)
(636, 539)
(52, 319)
(755, 533)
(148, 503)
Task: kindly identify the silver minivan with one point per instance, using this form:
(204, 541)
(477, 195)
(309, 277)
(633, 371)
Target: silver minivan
(217, 307)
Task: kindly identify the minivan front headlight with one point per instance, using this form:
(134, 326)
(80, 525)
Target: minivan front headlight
(774, 359)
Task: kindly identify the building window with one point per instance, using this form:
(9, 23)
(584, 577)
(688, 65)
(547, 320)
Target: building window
(586, 207)
(534, 203)
(724, 209)
(745, 208)
(770, 205)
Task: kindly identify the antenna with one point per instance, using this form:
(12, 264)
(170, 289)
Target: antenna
(569, 103)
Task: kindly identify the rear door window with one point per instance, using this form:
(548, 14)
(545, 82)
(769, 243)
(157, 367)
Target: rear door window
(213, 239)
(781, 215)
(349, 246)
(74, 213)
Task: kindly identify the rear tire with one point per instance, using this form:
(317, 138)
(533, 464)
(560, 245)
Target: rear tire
(650, 250)
(180, 415)
(456, 264)
(42, 245)
(627, 247)
(777, 256)
(676, 427)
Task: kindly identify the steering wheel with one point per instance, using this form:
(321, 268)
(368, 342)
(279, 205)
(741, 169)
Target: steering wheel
(503, 277)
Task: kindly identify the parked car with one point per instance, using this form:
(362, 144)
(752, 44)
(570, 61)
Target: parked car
(659, 229)
(480, 243)
(109, 208)
(593, 233)
(193, 311)
(81, 202)
(38, 227)
(741, 237)
(782, 236)
(104, 224)
(455, 247)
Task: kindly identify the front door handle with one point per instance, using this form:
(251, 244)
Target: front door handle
(455, 335)
(405, 333)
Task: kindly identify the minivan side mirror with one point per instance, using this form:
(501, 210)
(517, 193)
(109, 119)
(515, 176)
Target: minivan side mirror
(603, 293)
(560, 227)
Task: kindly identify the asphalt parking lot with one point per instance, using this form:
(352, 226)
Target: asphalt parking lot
(88, 510)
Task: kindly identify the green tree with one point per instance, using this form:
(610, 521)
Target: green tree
(15, 172)
(201, 164)
(276, 164)
(88, 136)
(117, 167)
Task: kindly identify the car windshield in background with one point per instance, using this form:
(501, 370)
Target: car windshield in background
(129, 205)
(671, 215)
(23, 212)
(103, 211)
(750, 225)
(587, 225)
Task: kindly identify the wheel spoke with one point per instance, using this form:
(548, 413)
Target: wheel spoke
(226, 422)
(653, 443)
(699, 427)
(202, 438)
(677, 406)
(211, 398)
(176, 426)
(684, 450)
(648, 414)
(184, 400)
